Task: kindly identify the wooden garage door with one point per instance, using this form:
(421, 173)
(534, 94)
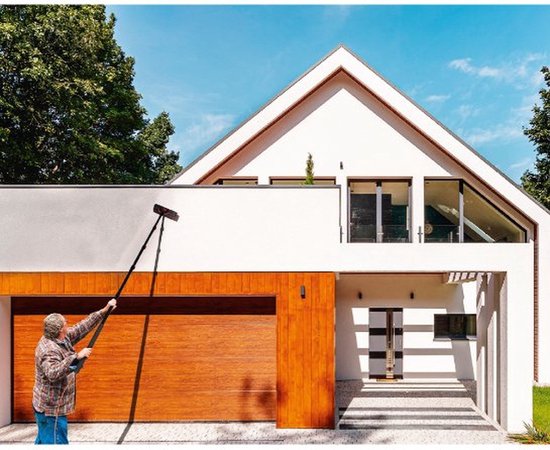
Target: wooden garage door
(161, 359)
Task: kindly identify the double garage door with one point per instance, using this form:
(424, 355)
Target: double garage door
(160, 359)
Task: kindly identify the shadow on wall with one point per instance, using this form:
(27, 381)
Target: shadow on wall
(462, 352)
(418, 343)
(256, 402)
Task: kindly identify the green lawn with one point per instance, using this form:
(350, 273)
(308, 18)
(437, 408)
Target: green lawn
(541, 408)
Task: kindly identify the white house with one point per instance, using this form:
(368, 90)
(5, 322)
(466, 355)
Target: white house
(410, 257)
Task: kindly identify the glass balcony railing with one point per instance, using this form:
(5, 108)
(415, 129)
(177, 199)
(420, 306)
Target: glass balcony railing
(441, 233)
(390, 233)
(395, 233)
(362, 233)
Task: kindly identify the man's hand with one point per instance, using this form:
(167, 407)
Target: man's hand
(112, 303)
(84, 353)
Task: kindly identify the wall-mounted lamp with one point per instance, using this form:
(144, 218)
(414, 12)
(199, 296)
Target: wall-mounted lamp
(411, 295)
(360, 295)
(302, 291)
(341, 165)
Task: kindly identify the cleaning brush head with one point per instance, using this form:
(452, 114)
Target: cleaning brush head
(168, 213)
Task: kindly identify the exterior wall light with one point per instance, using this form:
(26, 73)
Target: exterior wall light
(341, 165)
(360, 295)
(302, 291)
(411, 295)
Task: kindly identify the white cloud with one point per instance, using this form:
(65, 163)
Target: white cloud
(518, 70)
(205, 131)
(467, 111)
(537, 79)
(492, 72)
(337, 13)
(464, 65)
(501, 133)
(177, 101)
(437, 98)
(523, 113)
(522, 164)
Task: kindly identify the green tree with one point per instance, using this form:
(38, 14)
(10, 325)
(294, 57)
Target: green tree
(309, 170)
(537, 182)
(69, 112)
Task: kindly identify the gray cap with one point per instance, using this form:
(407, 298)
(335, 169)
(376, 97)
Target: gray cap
(53, 324)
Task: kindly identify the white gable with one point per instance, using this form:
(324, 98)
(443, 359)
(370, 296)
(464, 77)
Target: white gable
(343, 60)
(349, 134)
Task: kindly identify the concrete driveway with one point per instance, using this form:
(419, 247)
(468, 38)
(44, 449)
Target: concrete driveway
(406, 412)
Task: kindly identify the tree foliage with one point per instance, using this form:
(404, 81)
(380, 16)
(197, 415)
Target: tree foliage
(309, 170)
(69, 112)
(537, 182)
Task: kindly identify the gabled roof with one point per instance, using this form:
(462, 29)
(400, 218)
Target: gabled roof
(342, 59)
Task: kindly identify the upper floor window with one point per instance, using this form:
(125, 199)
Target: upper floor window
(237, 181)
(379, 211)
(455, 212)
(293, 181)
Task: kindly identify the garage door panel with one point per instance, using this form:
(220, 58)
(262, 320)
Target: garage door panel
(97, 384)
(186, 379)
(207, 405)
(259, 377)
(194, 367)
(212, 335)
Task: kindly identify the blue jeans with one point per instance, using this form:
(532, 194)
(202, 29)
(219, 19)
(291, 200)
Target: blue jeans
(50, 430)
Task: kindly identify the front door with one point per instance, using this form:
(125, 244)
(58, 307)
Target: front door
(386, 343)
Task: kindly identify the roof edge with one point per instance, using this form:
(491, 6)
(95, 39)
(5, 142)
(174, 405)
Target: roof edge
(393, 86)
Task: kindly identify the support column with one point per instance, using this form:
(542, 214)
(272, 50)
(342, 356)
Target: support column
(517, 354)
(488, 344)
(5, 361)
(543, 289)
(417, 208)
(481, 343)
(493, 294)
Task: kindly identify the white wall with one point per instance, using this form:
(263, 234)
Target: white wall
(342, 122)
(220, 229)
(544, 303)
(422, 356)
(248, 229)
(516, 306)
(5, 361)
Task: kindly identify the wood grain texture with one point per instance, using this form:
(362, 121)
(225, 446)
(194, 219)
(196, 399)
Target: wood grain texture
(298, 345)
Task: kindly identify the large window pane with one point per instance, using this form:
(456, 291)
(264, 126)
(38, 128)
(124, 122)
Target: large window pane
(484, 223)
(441, 211)
(455, 326)
(395, 211)
(362, 225)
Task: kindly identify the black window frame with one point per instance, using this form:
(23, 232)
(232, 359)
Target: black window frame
(378, 192)
(461, 183)
(447, 335)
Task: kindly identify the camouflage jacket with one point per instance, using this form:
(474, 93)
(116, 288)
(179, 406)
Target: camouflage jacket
(54, 391)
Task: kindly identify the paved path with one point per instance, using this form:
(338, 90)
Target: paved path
(416, 412)
(367, 413)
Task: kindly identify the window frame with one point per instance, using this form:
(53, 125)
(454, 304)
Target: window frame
(243, 179)
(449, 337)
(378, 189)
(300, 180)
(461, 183)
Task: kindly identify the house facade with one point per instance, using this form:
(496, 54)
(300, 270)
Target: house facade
(411, 257)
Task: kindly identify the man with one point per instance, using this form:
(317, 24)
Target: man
(54, 390)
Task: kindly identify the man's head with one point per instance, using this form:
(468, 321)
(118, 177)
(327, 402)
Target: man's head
(55, 326)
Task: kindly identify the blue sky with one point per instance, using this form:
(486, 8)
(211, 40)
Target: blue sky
(475, 68)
